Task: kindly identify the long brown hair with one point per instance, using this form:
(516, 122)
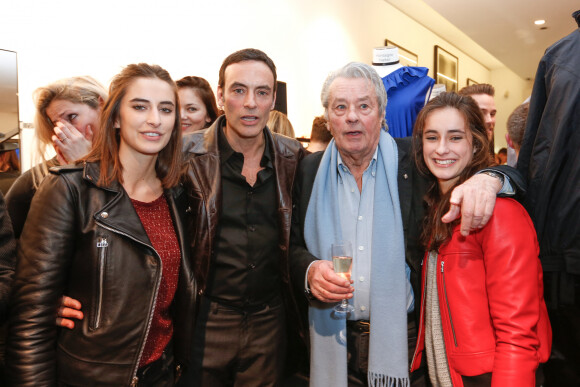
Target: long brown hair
(435, 232)
(106, 147)
(205, 93)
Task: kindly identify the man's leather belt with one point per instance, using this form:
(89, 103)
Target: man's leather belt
(363, 326)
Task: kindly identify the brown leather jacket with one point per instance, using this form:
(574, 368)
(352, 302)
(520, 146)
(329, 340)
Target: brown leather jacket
(204, 192)
(87, 241)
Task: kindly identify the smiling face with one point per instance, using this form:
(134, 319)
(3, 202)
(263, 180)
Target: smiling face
(193, 112)
(247, 98)
(78, 115)
(354, 118)
(447, 145)
(486, 104)
(146, 117)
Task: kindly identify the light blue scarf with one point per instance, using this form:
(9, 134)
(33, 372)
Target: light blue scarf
(388, 337)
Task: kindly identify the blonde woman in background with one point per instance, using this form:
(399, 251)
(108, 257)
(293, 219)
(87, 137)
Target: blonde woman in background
(279, 123)
(67, 116)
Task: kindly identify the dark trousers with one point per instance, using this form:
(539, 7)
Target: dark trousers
(562, 294)
(236, 347)
(417, 378)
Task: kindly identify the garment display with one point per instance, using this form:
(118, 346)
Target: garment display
(408, 89)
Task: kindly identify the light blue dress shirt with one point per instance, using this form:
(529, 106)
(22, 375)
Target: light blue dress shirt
(356, 214)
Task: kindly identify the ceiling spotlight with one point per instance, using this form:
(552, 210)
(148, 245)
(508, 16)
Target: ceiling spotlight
(539, 22)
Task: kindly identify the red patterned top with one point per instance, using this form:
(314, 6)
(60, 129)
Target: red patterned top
(158, 224)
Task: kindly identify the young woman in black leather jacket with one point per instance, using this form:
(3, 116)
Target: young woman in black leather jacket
(109, 232)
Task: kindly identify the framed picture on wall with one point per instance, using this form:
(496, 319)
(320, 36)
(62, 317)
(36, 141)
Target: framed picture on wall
(471, 82)
(446, 68)
(406, 57)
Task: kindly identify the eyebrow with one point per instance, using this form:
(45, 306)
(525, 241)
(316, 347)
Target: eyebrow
(365, 98)
(143, 100)
(239, 84)
(450, 130)
(59, 117)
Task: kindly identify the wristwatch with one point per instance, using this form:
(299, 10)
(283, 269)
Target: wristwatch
(309, 294)
(495, 174)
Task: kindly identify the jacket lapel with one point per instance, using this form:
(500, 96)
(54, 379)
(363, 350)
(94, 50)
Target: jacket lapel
(116, 212)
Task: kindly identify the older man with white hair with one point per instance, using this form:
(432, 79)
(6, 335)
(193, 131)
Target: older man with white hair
(364, 189)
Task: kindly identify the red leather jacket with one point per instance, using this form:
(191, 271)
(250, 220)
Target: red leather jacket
(490, 289)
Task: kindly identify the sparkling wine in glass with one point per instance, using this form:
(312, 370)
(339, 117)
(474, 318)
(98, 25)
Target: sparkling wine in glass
(342, 262)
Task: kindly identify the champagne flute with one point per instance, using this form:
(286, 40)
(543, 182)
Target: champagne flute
(342, 263)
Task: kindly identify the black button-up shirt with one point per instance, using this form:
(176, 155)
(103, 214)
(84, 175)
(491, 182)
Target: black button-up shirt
(245, 270)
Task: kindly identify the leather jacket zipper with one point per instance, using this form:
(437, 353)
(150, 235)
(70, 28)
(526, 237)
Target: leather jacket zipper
(102, 245)
(134, 378)
(447, 303)
(420, 321)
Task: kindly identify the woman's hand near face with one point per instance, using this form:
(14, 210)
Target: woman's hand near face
(70, 144)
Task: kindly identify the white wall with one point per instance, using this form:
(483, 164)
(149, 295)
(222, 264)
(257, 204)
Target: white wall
(305, 38)
(510, 92)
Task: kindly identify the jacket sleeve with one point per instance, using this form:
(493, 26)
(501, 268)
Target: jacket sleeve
(7, 258)
(513, 282)
(517, 180)
(18, 200)
(300, 257)
(44, 252)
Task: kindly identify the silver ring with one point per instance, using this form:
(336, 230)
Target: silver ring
(64, 139)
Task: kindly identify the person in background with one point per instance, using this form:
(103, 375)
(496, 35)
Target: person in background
(7, 259)
(66, 118)
(110, 232)
(320, 136)
(550, 161)
(483, 94)
(516, 126)
(483, 320)
(7, 264)
(9, 165)
(501, 156)
(9, 161)
(279, 123)
(198, 104)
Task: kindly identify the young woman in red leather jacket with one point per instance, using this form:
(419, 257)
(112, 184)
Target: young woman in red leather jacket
(483, 317)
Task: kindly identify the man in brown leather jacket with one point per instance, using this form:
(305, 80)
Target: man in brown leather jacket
(239, 178)
(240, 189)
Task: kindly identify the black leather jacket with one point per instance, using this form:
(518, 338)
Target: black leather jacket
(7, 259)
(549, 158)
(86, 241)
